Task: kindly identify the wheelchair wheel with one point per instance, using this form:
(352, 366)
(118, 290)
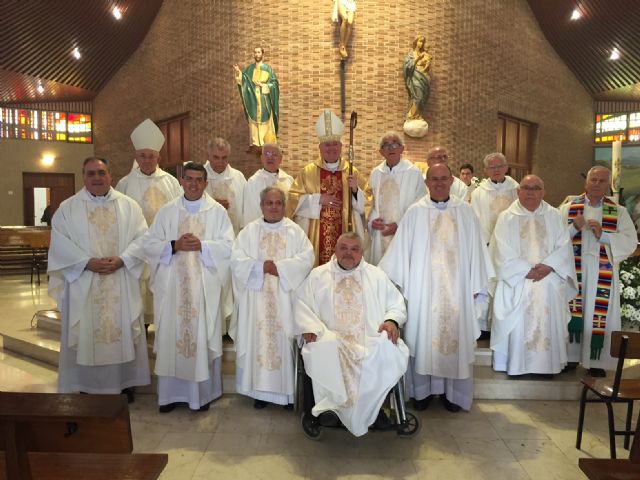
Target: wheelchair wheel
(410, 427)
(310, 426)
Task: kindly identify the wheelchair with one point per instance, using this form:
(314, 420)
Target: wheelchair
(404, 423)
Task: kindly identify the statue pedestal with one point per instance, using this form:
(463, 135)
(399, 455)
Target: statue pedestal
(416, 128)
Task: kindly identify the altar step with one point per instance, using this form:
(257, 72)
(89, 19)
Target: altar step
(42, 342)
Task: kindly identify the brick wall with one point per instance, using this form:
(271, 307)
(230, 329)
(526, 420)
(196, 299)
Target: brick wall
(489, 56)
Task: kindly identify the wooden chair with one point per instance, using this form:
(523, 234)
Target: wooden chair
(607, 391)
(612, 469)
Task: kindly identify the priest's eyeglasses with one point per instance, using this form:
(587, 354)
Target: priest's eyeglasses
(270, 154)
(533, 188)
(391, 146)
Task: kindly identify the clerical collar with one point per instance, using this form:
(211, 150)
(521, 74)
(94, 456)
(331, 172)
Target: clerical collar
(192, 206)
(272, 224)
(331, 166)
(441, 204)
(500, 182)
(273, 174)
(100, 198)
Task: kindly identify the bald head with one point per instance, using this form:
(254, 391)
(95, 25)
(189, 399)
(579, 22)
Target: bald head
(437, 155)
(531, 192)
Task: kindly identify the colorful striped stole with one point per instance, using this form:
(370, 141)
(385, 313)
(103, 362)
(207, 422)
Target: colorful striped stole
(605, 277)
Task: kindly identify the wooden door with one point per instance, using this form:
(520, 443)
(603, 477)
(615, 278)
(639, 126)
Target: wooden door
(61, 186)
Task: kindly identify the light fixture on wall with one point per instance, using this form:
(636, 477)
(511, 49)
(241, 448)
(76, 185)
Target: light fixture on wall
(615, 54)
(47, 160)
(575, 15)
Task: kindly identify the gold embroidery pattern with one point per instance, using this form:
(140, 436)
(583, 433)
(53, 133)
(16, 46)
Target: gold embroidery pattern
(445, 295)
(189, 272)
(105, 294)
(152, 200)
(222, 189)
(330, 217)
(389, 203)
(537, 313)
(496, 207)
(269, 329)
(349, 313)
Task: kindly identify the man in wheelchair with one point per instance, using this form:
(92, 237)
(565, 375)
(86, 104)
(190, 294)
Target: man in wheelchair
(348, 312)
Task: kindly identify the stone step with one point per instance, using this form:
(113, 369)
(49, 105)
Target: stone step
(48, 320)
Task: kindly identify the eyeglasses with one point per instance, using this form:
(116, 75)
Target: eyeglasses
(271, 154)
(391, 146)
(496, 167)
(527, 188)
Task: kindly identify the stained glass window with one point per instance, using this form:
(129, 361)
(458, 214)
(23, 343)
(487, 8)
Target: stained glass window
(24, 124)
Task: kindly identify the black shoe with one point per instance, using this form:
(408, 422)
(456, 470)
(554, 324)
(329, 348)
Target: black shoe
(259, 404)
(484, 335)
(329, 419)
(169, 407)
(421, 405)
(543, 376)
(382, 422)
(204, 407)
(288, 406)
(597, 372)
(569, 367)
(524, 376)
(130, 394)
(450, 406)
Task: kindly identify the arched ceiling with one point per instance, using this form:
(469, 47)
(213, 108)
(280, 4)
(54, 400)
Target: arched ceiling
(585, 44)
(37, 38)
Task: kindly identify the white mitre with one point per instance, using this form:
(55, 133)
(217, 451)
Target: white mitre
(147, 135)
(329, 127)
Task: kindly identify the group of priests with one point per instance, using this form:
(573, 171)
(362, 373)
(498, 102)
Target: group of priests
(270, 260)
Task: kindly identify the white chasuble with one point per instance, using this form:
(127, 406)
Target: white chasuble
(351, 364)
(389, 193)
(255, 185)
(103, 343)
(261, 323)
(228, 185)
(489, 199)
(529, 330)
(439, 261)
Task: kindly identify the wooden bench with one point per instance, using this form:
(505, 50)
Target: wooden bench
(61, 423)
(615, 469)
(94, 466)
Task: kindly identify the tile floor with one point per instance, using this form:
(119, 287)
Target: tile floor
(496, 440)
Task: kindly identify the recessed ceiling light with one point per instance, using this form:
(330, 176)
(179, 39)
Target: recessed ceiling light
(76, 53)
(575, 15)
(117, 14)
(615, 54)
(40, 88)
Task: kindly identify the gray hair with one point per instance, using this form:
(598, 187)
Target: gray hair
(220, 143)
(351, 236)
(391, 133)
(263, 194)
(493, 155)
(598, 167)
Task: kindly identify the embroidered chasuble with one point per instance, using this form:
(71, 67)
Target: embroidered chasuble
(330, 217)
(106, 310)
(152, 199)
(497, 205)
(268, 334)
